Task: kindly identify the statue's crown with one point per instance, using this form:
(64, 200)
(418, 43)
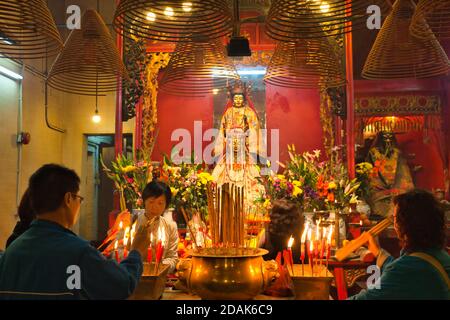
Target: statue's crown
(239, 87)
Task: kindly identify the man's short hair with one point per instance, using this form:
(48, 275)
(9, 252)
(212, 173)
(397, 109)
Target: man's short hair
(155, 189)
(48, 186)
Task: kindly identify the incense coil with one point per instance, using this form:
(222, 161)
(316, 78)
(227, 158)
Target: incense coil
(90, 63)
(28, 30)
(173, 20)
(196, 68)
(291, 20)
(437, 15)
(397, 54)
(305, 64)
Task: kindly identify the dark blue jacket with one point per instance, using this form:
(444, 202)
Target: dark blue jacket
(37, 265)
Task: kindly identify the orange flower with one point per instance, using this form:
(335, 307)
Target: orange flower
(330, 197)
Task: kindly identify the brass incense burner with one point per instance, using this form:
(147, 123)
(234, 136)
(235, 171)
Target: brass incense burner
(227, 273)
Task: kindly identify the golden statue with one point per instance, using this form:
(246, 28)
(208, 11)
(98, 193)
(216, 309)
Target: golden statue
(237, 147)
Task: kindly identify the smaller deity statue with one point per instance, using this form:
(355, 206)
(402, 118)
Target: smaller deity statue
(391, 174)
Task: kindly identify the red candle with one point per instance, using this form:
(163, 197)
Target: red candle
(291, 259)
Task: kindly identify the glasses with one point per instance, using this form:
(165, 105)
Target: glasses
(77, 196)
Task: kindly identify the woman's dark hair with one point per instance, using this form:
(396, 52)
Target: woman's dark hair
(48, 186)
(285, 216)
(420, 220)
(155, 189)
(25, 211)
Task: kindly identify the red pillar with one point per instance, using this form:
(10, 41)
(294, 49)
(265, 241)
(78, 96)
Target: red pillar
(118, 137)
(350, 121)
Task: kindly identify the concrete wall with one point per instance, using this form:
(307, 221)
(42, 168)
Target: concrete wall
(71, 112)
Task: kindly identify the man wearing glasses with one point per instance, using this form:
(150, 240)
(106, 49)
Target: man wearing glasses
(49, 261)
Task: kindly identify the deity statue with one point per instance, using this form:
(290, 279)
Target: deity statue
(238, 145)
(391, 174)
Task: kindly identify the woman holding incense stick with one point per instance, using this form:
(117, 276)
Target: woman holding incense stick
(163, 234)
(423, 268)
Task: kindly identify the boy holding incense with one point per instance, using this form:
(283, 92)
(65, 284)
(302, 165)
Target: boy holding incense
(423, 268)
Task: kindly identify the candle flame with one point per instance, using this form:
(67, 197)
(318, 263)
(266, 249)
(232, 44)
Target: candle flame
(305, 231)
(116, 245)
(127, 231)
(290, 242)
(125, 241)
(120, 225)
(360, 222)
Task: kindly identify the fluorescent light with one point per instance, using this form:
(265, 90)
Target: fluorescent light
(244, 72)
(10, 74)
(6, 40)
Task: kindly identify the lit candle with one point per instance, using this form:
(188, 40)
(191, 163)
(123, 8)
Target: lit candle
(310, 251)
(303, 247)
(125, 242)
(119, 234)
(330, 233)
(149, 250)
(322, 245)
(133, 232)
(159, 248)
(316, 241)
(115, 251)
(291, 259)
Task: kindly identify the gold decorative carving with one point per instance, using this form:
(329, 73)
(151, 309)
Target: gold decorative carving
(398, 105)
(155, 62)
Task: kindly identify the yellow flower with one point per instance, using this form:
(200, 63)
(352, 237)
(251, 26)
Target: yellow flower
(297, 183)
(332, 185)
(354, 199)
(296, 191)
(204, 177)
(128, 169)
(364, 168)
(266, 204)
(174, 191)
(281, 177)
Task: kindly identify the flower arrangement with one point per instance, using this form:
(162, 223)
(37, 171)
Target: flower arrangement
(311, 183)
(188, 185)
(295, 183)
(130, 178)
(364, 171)
(334, 187)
